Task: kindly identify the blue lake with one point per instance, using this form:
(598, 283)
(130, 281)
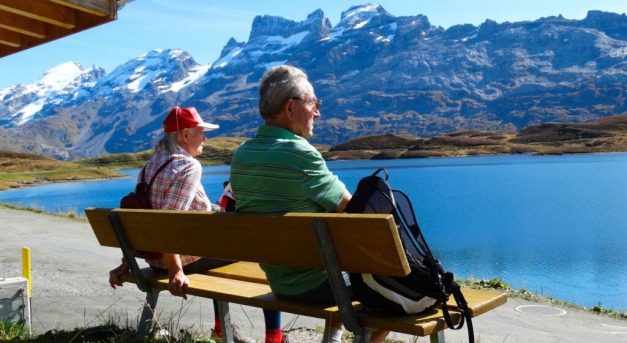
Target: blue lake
(554, 225)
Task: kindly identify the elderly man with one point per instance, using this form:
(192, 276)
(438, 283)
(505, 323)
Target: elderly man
(280, 171)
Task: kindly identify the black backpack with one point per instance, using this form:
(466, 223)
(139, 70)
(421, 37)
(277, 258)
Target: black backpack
(427, 285)
(139, 197)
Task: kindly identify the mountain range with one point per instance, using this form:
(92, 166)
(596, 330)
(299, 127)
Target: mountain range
(376, 74)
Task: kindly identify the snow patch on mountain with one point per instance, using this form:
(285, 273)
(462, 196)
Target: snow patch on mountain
(57, 85)
(286, 43)
(224, 61)
(195, 73)
(359, 16)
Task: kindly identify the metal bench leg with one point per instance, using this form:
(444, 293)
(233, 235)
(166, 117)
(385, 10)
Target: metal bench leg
(437, 337)
(336, 280)
(148, 312)
(225, 321)
(360, 339)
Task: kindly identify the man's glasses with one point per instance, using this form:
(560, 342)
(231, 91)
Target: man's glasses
(315, 102)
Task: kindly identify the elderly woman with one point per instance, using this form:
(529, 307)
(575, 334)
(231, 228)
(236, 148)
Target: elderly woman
(177, 186)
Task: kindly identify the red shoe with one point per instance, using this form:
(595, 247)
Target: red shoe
(237, 338)
(284, 339)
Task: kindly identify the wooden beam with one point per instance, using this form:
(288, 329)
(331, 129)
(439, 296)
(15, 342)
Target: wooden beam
(38, 22)
(41, 10)
(103, 8)
(22, 25)
(6, 50)
(86, 21)
(10, 38)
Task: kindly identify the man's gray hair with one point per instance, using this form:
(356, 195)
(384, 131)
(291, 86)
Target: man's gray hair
(277, 85)
(168, 143)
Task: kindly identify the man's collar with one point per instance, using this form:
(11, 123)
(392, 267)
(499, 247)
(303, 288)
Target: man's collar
(278, 132)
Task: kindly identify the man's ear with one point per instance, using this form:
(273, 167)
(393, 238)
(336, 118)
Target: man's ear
(287, 107)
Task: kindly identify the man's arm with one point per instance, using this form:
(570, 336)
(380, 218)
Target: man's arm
(346, 197)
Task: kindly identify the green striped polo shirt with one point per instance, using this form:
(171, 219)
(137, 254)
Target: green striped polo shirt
(278, 172)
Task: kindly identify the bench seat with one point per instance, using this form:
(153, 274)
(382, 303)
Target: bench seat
(245, 283)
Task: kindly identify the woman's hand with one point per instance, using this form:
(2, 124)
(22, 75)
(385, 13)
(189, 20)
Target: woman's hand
(114, 275)
(178, 284)
(178, 279)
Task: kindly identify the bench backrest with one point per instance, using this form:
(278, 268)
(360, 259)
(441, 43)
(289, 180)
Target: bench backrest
(365, 243)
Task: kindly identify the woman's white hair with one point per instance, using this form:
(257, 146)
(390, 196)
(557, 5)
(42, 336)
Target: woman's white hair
(168, 143)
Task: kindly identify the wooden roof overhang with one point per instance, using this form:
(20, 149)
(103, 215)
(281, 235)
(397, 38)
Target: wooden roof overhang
(28, 23)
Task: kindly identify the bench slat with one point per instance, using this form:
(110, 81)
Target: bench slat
(238, 291)
(479, 301)
(259, 295)
(376, 246)
(245, 271)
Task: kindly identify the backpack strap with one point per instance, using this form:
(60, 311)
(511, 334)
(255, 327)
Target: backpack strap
(148, 185)
(452, 288)
(156, 173)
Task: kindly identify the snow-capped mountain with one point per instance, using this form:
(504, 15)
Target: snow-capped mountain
(164, 70)
(375, 72)
(63, 83)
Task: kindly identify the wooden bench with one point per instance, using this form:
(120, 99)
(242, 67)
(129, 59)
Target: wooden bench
(365, 243)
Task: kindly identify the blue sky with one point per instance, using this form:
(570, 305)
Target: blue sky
(203, 27)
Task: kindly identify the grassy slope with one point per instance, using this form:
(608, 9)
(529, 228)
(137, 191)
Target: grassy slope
(20, 169)
(604, 135)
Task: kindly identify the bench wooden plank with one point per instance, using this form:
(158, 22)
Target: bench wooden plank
(238, 291)
(259, 295)
(479, 301)
(245, 271)
(482, 300)
(376, 246)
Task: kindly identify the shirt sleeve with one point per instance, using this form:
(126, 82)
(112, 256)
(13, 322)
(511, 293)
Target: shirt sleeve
(320, 184)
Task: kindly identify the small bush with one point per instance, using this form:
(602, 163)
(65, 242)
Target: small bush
(13, 331)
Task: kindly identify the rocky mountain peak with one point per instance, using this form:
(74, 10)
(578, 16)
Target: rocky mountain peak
(157, 69)
(613, 24)
(267, 26)
(231, 45)
(358, 17)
